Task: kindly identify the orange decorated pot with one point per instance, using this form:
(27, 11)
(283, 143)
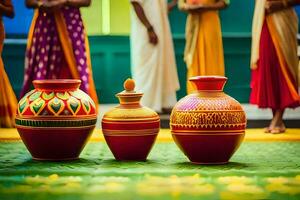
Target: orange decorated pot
(56, 119)
(208, 125)
(130, 129)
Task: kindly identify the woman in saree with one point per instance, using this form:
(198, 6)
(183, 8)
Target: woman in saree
(57, 46)
(204, 48)
(8, 100)
(274, 60)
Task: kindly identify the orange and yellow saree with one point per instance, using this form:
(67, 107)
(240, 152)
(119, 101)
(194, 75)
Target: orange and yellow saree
(204, 48)
(8, 100)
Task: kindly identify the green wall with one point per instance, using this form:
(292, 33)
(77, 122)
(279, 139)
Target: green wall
(116, 14)
(92, 17)
(107, 17)
(111, 65)
(119, 17)
(111, 53)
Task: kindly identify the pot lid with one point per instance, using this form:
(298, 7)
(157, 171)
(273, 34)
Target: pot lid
(129, 95)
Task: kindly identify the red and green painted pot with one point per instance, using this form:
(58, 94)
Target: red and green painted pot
(208, 125)
(130, 129)
(56, 119)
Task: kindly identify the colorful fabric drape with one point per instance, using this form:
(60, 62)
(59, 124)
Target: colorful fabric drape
(275, 63)
(8, 100)
(58, 48)
(204, 48)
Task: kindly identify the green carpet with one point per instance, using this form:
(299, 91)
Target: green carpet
(259, 170)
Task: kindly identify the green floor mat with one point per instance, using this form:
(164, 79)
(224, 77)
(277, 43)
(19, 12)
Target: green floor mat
(259, 170)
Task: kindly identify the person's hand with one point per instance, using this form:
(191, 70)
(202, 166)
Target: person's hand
(57, 4)
(254, 66)
(193, 8)
(185, 7)
(171, 5)
(274, 6)
(52, 5)
(153, 39)
(44, 6)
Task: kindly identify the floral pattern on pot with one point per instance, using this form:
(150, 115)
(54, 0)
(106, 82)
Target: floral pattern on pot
(56, 119)
(45, 103)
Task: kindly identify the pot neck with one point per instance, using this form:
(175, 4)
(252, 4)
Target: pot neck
(208, 83)
(130, 100)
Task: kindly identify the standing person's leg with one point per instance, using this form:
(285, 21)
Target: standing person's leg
(279, 126)
(272, 123)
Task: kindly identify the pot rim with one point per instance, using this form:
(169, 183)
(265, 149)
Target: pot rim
(208, 83)
(57, 84)
(208, 78)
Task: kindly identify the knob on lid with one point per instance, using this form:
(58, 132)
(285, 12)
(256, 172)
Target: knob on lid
(129, 85)
(129, 95)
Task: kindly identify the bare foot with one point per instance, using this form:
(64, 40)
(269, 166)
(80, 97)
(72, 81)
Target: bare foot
(279, 126)
(267, 129)
(271, 126)
(278, 129)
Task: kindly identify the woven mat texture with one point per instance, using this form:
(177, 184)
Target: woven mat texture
(258, 170)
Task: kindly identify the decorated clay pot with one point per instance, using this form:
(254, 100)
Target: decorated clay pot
(208, 125)
(56, 119)
(130, 129)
